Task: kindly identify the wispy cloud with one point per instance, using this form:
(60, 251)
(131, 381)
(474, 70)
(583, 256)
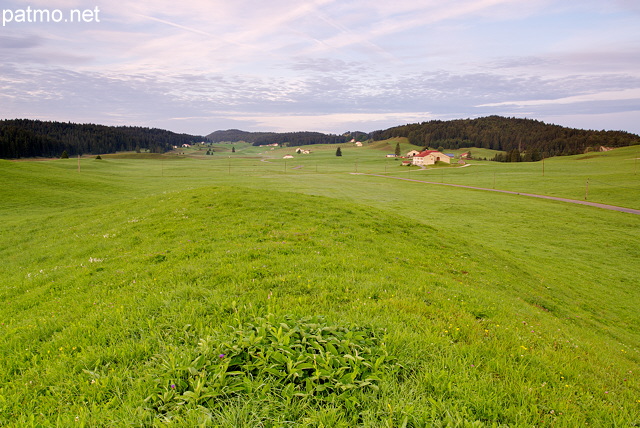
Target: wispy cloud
(626, 94)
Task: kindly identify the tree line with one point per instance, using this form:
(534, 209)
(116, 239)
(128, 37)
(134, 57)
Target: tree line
(523, 139)
(22, 138)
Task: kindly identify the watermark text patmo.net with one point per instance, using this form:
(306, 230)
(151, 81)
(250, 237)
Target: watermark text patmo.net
(29, 15)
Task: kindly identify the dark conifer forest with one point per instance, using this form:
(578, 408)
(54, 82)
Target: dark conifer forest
(521, 139)
(518, 139)
(21, 138)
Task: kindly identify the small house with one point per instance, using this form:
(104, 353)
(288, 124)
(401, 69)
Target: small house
(412, 153)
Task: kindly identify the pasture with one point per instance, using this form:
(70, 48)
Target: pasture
(228, 289)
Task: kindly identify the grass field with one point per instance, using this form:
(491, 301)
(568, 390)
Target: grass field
(242, 289)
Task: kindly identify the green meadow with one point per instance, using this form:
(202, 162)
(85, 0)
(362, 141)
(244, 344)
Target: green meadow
(241, 289)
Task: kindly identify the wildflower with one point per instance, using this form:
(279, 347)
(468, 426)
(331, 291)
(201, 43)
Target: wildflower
(173, 386)
(221, 356)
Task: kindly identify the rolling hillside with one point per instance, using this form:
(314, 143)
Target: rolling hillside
(135, 290)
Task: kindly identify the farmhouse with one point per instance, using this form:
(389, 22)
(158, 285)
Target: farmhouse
(391, 156)
(287, 157)
(430, 157)
(412, 153)
(358, 144)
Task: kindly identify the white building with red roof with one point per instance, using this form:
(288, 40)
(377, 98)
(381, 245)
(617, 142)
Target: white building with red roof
(430, 157)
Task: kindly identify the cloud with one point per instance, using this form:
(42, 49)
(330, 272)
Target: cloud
(20, 42)
(626, 94)
(352, 63)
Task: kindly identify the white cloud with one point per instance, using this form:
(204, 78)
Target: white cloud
(332, 123)
(626, 94)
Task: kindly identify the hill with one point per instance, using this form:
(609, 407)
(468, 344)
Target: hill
(22, 138)
(534, 137)
(284, 138)
(522, 139)
(234, 135)
(137, 293)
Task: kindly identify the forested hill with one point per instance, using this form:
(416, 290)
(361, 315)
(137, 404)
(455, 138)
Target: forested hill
(288, 138)
(233, 135)
(22, 138)
(507, 134)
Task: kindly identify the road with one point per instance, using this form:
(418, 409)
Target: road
(553, 198)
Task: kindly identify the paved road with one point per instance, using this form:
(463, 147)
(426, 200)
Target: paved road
(573, 201)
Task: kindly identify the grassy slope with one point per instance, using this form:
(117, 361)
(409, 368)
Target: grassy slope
(496, 318)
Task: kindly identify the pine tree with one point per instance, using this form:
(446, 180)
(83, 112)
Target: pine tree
(233, 149)
(338, 152)
(64, 155)
(397, 149)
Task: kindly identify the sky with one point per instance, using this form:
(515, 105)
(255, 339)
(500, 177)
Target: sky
(320, 65)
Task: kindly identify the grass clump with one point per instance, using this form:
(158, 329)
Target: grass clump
(307, 361)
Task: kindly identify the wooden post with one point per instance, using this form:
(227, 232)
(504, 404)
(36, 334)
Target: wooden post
(78, 162)
(586, 192)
